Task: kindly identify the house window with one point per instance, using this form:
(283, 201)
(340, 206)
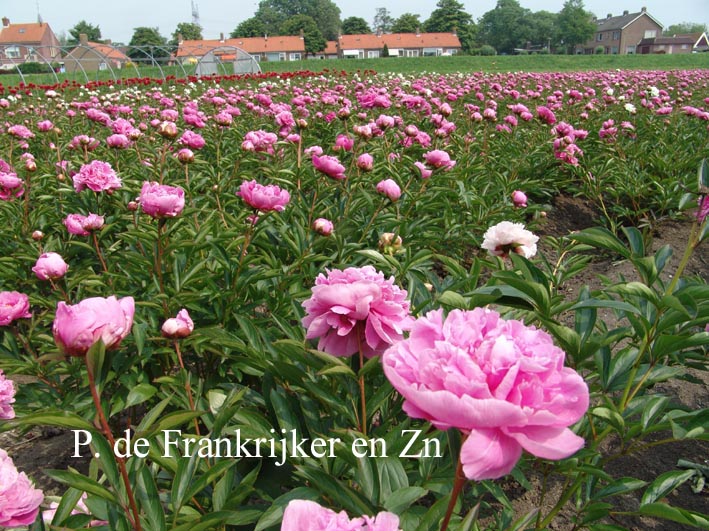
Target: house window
(276, 56)
(432, 52)
(650, 34)
(412, 53)
(372, 54)
(616, 35)
(614, 50)
(685, 46)
(630, 50)
(295, 56)
(599, 37)
(12, 52)
(102, 66)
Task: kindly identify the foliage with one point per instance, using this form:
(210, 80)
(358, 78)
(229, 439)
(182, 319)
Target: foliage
(449, 16)
(541, 29)
(685, 27)
(93, 33)
(574, 25)
(355, 26)
(247, 368)
(148, 44)
(252, 27)
(189, 32)
(505, 27)
(314, 40)
(407, 23)
(383, 21)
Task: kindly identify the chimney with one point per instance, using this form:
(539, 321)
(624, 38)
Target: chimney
(625, 12)
(5, 22)
(418, 32)
(221, 37)
(109, 42)
(180, 39)
(609, 15)
(643, 9)
(455, 31)
(302, 35)
(83, 39)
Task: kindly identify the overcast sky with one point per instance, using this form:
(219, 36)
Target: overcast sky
(118, 19)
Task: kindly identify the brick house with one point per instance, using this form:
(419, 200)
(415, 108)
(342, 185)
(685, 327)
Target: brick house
(688, 43)
(277, 48)
(28, 43)
(92, 56)
(621, 34)
(369, 45)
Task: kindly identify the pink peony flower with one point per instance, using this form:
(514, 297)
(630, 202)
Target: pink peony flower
(98, 176)
(81, 225)
(118, 141)
(439, 159)
(356, 307)
(81, 508)
(50, 266)
(7, 397)
(13, 306)
(161, 201)
(519, 199)
(323, 226)
(11, 186)
(703, 210)
(178, 327)
(185, 156)
(330, 166)
(263, 197)
(305, 515)
(192, 140)
(77, 327)
(19, 500)
(365, 162)
(343, 142)
(424, 172)
(506, 236)
(502, 383)
(389, 188)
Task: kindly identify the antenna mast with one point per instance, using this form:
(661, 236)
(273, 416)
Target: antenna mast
(195, 14)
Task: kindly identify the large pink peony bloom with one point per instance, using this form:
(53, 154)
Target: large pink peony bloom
(13, 306)
(439, 159)
(389, 188)
(161, 201)
(79, 326)
(7, 397)
(506, 237)
(500, 381)
(356, 307)
(304, 515)
(330, 166)
(50, 266)
(19, 500)
(82, 225)
(98, 176)
(10, 185)
(264, 197)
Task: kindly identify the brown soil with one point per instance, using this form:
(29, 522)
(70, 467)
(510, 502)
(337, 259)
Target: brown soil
(39, 450)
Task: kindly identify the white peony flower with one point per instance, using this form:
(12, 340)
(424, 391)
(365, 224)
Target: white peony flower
(506, 236)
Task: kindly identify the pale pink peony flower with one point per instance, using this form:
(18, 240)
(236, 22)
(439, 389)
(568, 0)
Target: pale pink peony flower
(424, 172)
(19, 500)
(98, 176)
(77, 327)
(306, 515)
(499, 381)
(365, 162)
(81, 225)
(7, 397)
(262, 197)
(439, 159)
(185, 156)
(356, 307)
(323, 226)
(178, 327)
(118, 141)
(50, 266)
(81, 508)
(343, 142)
(330, 166)
(389, 188)
(11, 186)
(161, 201)
(13, 306)
(519, 199)
(44, 126)
(506, 236)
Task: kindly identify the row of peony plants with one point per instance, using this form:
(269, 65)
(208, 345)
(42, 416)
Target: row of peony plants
(266, 214)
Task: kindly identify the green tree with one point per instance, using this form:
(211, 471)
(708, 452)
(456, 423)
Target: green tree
(92, 32)
(685, 27)
(450, 15)
(574, 25)
(505, 27)
(275, 13)
(314, 40)
(407, 23)
(189, 31)
(252, 27)
(383, 20)
(541, 29)
(355, 26)
(147, 45)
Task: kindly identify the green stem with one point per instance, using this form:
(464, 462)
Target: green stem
(458, 484)
(691, 244)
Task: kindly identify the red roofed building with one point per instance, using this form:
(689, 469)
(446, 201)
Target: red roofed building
(33, 42)
(92, 56)
(370, 45)
(277, 48)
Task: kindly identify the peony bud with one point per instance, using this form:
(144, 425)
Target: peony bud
(178, 327)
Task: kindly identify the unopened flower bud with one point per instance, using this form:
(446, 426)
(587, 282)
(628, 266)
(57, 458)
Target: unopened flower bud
(37, 235)
(132, 206)
(390, 243)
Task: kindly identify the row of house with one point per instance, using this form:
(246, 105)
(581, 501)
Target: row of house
(639, 33)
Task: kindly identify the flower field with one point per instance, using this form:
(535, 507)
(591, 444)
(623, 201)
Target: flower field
(328, 300)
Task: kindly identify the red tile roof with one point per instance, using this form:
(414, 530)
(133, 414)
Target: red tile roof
(252, 45)
(31, 33)
(399, 40)
(94, 49)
